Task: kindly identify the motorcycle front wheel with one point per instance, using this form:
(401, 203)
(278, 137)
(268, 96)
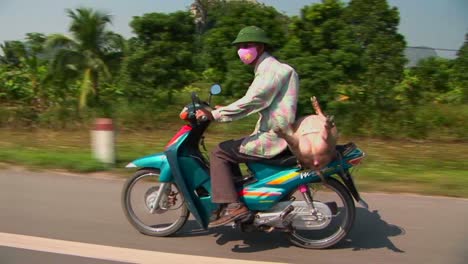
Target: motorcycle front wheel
(335, 195)
(138, 202)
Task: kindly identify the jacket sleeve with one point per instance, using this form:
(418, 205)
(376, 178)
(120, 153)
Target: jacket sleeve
(259, 96)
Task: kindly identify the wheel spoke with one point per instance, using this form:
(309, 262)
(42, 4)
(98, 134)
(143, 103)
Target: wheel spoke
(138, 199)
(340, 214)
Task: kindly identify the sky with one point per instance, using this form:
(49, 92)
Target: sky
(432, 23)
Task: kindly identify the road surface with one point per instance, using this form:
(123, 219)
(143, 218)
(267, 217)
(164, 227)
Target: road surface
(49, 217)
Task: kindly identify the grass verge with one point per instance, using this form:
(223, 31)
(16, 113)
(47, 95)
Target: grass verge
(424, 167)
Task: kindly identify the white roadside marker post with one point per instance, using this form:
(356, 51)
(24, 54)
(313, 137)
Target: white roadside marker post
(102, 140)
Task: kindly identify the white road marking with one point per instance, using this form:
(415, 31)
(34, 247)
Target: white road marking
(107, 252)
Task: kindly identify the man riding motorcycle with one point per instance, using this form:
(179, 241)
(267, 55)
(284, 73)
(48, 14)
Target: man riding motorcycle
(273, 94)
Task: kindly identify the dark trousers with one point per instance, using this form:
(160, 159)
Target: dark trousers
(224, 166)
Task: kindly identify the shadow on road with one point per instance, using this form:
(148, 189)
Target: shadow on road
(370, 231)
(247, 241)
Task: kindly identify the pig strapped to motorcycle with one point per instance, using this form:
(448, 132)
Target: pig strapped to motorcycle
(312, 139)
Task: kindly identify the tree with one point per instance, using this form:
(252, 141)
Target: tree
(15, 86)
(372, 32)
(199, 10)
(24, 69)
(87, 53)
(373, 27)
(427, 82)
(35, 65)
(350, 51)
(217, 55)
(459, 77)
(13, 51)
(437, 80)
(323, 56)
(160, 56)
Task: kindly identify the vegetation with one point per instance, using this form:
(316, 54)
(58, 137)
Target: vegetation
(410, 121)
(86, 56)
(349, 55)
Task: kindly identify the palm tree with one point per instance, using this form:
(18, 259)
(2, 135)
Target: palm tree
(88, 52)
(13, 51)
(27, 58)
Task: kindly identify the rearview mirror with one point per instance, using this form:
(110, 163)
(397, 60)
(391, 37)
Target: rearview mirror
(215, 89)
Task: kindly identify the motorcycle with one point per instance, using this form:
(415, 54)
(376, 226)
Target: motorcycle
(281, 196)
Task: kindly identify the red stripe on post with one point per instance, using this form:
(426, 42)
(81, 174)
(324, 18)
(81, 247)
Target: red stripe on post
(103, 124)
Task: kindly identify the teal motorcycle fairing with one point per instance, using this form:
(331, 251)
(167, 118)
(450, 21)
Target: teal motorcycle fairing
(158, 161)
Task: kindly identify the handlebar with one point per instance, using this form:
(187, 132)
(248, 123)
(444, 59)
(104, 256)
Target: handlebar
(194, 98)
(196, 105)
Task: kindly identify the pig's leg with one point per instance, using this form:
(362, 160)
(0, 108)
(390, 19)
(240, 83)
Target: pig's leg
(316, 106)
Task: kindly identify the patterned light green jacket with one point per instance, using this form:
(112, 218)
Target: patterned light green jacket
(273, 94)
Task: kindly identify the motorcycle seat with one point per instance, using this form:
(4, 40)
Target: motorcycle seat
(284, 159)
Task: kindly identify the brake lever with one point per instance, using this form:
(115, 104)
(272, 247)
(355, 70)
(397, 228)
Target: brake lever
(194, 96)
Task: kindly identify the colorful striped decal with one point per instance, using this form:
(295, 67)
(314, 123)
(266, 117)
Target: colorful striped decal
(284, 178)
(259, 193)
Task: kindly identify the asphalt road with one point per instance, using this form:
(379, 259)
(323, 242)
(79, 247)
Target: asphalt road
(59, 218)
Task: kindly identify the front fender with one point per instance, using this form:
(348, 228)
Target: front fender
(157, 161)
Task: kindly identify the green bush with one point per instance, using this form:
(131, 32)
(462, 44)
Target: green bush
(18, 116)
(430, 121)
(440, 121)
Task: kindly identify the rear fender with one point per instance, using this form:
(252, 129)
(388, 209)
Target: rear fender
(349, 182)
(156, 161)
(351, 186)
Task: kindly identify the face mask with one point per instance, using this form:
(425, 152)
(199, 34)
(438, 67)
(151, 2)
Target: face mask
(247, 55)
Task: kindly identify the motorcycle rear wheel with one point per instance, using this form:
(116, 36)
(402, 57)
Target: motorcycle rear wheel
(137, 193)
(332, 192)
